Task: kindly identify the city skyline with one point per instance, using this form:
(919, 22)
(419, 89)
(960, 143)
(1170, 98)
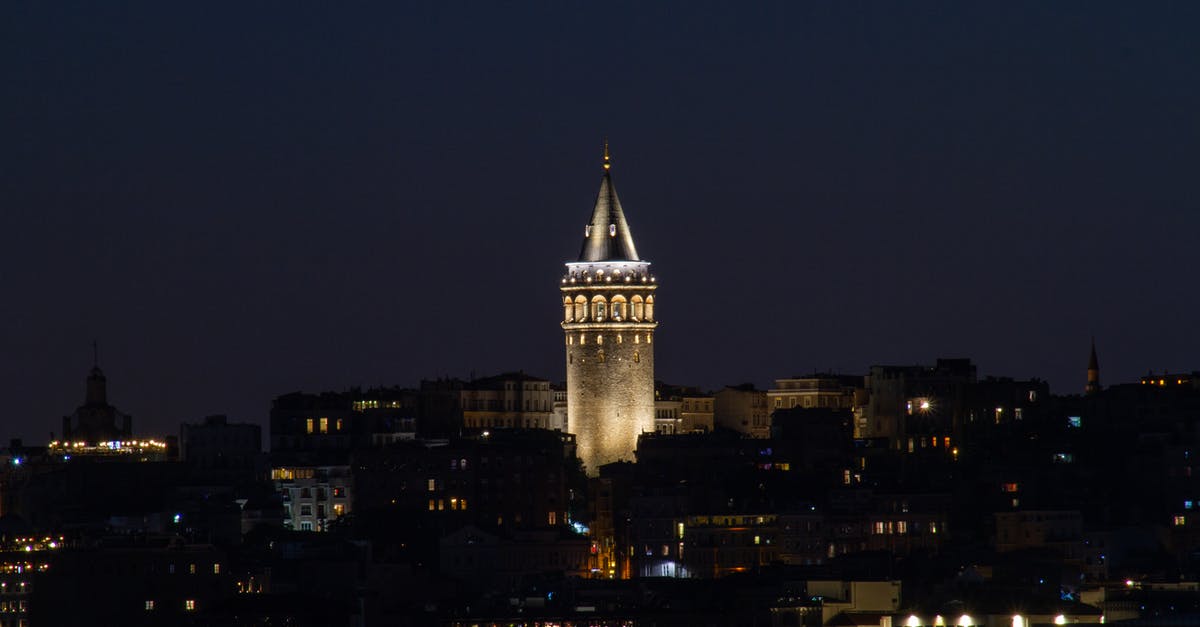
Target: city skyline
(322, 201)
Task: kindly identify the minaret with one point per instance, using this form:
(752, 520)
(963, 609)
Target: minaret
(608, 320)
(1093, 372)
(97, 393)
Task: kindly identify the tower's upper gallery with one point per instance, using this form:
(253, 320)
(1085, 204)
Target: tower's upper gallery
(607, 236)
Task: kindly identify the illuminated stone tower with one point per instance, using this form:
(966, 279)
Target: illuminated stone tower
(608, 320)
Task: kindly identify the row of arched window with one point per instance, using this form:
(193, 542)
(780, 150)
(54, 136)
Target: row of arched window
(601, 309)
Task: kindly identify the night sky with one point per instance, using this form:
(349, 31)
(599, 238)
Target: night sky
(242, 200)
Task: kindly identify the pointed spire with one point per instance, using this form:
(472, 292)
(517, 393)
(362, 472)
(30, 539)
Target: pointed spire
(97, 394)
(607, 236)
(1093, 372)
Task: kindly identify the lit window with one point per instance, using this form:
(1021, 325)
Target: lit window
(191, 569)
(1011, 487)
(1187, 505)
(149, 606)
(1180, 520)
(308, 425)
(432, 483)
(901, 526)
(216, 568)
(189, 605)
(552, 518)
(432, 505)
(339, 509)
(339, 424)
(1074, 422)
(324, 425)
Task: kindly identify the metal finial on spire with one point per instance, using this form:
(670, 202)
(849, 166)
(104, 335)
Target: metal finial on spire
(607, 160)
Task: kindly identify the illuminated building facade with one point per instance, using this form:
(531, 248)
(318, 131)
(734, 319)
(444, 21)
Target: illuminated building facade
(608, 320)
(681, 410)
(508, 401)
(313, 496)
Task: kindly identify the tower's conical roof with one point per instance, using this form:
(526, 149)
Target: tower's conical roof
(607, 236)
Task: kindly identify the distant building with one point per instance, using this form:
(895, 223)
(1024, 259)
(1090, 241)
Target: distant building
(558, 422)
(95, 420)
(696, 413)
(681, 410)
(222, 451)
(1060, 531)
(1167, 379)
(831, 391)
(313, 496)
(508, 479)
(743, 409)
(327, 426)
(917, 406)
(512, 400)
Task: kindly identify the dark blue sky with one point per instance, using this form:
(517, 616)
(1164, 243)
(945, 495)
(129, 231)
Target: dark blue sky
(240, 200)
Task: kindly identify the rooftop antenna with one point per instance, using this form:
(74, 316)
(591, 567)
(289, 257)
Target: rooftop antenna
(607, 160)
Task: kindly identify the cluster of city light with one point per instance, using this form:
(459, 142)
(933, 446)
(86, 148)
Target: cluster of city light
(17, 568)
(965, 620)
(32, 543)
(111, 446)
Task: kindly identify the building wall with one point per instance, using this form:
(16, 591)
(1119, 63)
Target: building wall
(742, 409)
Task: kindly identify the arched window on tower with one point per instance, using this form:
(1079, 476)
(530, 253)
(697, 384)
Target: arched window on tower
(649, 308)
(618, 307)
(580, 309)
(635, 305)
(600, 355)
(598, 308)
(568, 309)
